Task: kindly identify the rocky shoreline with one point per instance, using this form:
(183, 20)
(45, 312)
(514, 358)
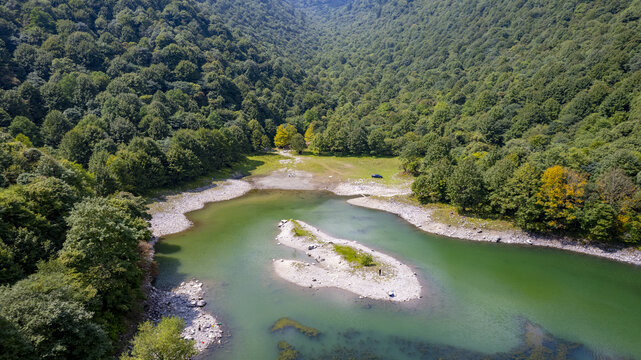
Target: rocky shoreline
(168, 215)
(422, 218)
(186, 301)
(385, 278)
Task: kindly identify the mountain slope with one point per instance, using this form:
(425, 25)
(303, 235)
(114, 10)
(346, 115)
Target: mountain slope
(488, 87)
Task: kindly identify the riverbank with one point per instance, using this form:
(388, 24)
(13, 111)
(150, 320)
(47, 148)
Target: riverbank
(337, 265)
(169, 217)
(186, 302)
(422, 218)
(168, 213)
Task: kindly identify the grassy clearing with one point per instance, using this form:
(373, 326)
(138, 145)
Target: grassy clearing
(261, 164)
(448, 215)
(354, 256)
(285, 323)
(340, 168)
(354, 168)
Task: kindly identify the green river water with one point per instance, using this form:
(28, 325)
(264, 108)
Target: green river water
(478, 298)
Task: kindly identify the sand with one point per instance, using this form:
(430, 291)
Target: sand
(397, 282)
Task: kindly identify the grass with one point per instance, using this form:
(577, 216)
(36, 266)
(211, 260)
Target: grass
(447, 214)
(340, 168)
(299, 230)
(286, 323)
(353, 168)
(354, 256)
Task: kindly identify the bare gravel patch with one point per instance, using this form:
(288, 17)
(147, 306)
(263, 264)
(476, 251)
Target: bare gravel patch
(364, 187)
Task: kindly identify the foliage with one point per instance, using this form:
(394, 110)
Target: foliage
(48, 310)
(13, 344)
(354, 256)
(285, 135)
(142, 76)
(298, 143)
(432, 186)
(465, 186)
(102, 245)
(561, 194)
(161, 342)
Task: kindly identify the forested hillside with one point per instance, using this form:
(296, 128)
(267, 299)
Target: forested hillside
(97, 97)
(517, 109)
(523, 110)
(277, 25)
(139, 87)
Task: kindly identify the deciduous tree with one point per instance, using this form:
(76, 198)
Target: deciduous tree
(161, 342)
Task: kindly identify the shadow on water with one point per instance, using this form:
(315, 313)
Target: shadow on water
(163, 248)
(169, 265)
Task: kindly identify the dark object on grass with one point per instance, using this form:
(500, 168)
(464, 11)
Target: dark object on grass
(237, 175)
(377, 176)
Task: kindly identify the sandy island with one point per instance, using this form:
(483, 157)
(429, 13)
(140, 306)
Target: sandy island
(386, 279)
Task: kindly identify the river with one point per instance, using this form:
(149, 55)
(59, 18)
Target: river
(479, 299)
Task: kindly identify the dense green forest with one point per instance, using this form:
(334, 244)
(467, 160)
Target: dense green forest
(99, 97)
(523, 110)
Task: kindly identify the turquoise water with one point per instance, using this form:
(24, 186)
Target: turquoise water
(478, 299)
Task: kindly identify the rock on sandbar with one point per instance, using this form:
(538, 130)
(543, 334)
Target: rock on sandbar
(386, 279)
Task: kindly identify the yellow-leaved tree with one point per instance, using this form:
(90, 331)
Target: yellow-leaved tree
(284, 134)
(309, 134)
(560, 195)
